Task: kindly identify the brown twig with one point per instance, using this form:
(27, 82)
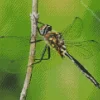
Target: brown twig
(34, 18)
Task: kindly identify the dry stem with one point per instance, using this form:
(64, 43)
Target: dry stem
(34, 17)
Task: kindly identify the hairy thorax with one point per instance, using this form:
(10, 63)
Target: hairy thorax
(54, 39)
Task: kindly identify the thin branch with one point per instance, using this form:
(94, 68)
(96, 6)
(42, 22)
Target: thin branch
(34, 18)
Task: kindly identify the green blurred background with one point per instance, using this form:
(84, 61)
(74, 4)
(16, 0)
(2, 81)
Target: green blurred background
(55, 79)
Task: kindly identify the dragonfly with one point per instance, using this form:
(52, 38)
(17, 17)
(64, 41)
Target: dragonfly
(55, 40)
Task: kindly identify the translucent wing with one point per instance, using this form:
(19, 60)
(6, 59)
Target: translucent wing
(13, 53)
(84, 49)
(74, 30)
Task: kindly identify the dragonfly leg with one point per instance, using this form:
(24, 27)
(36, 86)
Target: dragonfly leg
(41, 23)
(43, 53)
(49, 55)
(36, 41)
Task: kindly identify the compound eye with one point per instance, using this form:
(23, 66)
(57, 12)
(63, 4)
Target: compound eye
(49, 28)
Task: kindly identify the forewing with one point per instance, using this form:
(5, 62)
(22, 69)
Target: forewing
(74, 30)
(13, 53)
(84, 49)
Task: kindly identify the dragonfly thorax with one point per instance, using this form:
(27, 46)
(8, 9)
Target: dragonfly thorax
(45, 29)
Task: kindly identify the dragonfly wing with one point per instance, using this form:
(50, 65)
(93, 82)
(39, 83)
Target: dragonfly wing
(74, 30)
(13, 52)
(85, 49)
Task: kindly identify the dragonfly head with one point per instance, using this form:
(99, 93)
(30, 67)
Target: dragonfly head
(45, 29)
